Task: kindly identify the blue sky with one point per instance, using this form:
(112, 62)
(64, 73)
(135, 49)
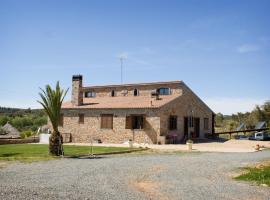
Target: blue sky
(221, 49)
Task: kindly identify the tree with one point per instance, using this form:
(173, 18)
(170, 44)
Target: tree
(219, 119)
(51, 102)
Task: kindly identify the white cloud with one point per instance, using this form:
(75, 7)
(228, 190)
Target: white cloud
(233, 105)
(245, 48)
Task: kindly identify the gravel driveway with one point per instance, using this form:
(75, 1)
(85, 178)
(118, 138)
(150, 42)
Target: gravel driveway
(154, 176)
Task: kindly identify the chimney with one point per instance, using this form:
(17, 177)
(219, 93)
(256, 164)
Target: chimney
(77, 93)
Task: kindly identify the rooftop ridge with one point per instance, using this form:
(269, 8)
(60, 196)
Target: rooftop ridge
(135, 84)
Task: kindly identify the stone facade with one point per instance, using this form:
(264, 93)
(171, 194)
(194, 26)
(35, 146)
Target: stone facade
(91, 128)
(156, 120)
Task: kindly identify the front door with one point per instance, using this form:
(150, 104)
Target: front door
(196, 127)
(185, 127)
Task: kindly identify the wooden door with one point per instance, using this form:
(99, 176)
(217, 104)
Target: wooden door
(185, 126)
(196, 127)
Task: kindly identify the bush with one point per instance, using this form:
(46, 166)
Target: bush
(26, 134)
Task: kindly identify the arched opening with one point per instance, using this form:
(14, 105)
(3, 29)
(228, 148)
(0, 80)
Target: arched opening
(136, 92)
(113, 93)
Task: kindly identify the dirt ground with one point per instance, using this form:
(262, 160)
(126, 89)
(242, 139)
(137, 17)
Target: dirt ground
(203, 146)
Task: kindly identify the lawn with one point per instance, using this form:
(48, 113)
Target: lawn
(260, 175)
(36, 152)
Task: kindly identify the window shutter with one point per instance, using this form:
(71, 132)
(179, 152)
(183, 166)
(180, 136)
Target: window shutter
(110, 121)
(128, 122)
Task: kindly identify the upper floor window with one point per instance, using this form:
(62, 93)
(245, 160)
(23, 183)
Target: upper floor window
(164, 91)
(136, 92)
(90, 94)
(113, 93)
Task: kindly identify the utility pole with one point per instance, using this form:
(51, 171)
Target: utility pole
(122, 58)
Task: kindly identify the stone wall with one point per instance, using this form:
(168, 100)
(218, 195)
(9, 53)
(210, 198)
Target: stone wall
(144, 90)
(181, 107)
(91, 130)
(19, 141)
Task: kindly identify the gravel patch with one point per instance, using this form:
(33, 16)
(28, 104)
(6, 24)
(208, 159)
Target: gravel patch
(164, 176)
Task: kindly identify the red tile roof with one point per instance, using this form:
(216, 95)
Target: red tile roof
(121, 102)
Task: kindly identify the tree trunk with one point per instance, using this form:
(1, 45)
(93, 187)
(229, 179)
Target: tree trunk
(56, 141)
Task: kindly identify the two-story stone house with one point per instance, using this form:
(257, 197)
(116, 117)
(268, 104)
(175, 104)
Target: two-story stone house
(160, 112)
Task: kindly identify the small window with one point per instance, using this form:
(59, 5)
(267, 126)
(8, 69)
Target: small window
(113, 93)
(81, 118)
(164, 91)
(61, 120)
(107, 121)
(206, 124)
(136, 92)
(172, 122)
(90, 94)
(135, 122)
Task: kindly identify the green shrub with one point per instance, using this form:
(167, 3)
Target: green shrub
(26, 134)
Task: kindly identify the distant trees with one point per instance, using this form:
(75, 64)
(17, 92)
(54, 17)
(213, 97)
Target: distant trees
(23, 119)
(230, 122)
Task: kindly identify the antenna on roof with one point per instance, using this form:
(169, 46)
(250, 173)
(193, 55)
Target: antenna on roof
(122, 57)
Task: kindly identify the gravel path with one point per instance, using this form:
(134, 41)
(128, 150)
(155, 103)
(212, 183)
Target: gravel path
(165, 176)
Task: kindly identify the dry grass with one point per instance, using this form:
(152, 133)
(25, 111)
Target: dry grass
(149, 187)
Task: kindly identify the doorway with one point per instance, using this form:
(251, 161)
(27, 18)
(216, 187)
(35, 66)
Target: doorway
(185, 127)
(196, 127)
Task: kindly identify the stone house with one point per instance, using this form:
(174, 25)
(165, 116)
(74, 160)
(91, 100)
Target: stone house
(159, 112)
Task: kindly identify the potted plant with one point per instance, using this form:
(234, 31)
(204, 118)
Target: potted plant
(189, 144)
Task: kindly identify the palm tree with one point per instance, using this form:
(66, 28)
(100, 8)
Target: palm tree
(52, 102)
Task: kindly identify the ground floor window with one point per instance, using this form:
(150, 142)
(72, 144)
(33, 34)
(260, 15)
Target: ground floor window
(172, 122)
(81, 118)
(135, 122)
(107, 121)
(206, 124)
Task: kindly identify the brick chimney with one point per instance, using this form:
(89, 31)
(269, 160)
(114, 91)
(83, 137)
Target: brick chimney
(77, 93)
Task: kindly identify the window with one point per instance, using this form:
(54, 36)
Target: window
(90, 94)
(135, 122)
(136, 92)
(172, 122)
(164, 91)
(206, 124)
(107, 121)
(81, 118)
(61, 120)
(113, 93)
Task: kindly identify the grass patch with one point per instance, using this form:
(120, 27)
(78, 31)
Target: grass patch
(39, 152)
(259, 175)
